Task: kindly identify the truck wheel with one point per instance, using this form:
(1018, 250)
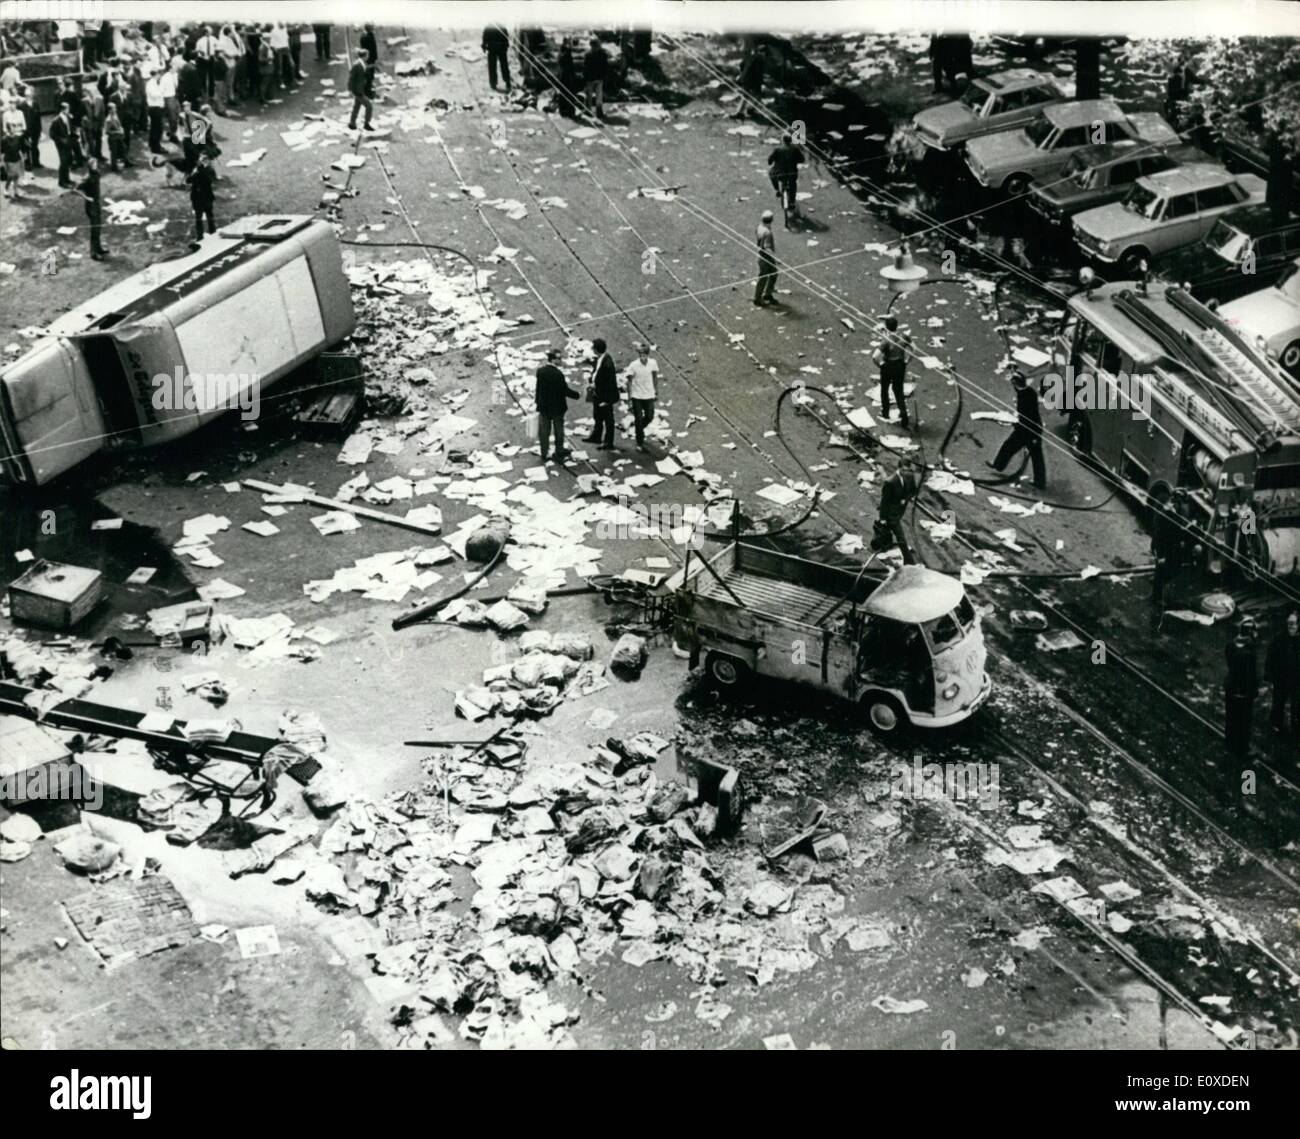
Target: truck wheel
(884, 713)
(1291, 357)
(726, 670)
(1016, 185)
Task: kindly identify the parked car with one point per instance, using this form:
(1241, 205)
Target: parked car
(1041, 150)
(1163, 212)
(1273, 315)
(991, 103)
(1249, 245)
(1096, 175)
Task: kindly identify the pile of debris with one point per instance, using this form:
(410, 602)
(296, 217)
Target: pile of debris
(551, 666)
(569, 863)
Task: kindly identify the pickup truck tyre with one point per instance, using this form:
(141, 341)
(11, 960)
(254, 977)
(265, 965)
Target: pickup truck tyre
(727, 670)
(884, 713)
(1290, 357)
(1015, 184)
(1130, 264)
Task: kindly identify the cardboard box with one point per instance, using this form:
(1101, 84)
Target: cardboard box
(55, 596)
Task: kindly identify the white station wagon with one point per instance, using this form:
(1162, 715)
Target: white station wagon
(1163, 212)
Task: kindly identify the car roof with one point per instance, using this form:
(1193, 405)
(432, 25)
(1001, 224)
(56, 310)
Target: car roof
(1082, 111)
(1014, 79)
(1102, 154)
(1261, 219)
(1193, 176)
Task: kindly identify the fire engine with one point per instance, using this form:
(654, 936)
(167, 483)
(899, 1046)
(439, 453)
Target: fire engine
(1220, 418)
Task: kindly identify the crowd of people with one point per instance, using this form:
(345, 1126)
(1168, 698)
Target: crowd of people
(148, 94)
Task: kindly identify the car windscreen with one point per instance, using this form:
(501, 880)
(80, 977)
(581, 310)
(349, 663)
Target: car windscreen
(1228, 242)
(1038, 132)
(1142, 201)
(1079, 172)
(975, 97)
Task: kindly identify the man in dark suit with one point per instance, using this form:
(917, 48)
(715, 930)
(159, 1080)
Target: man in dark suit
(595, 70)
(496, 45)
(895, 496)
(71, 95)
(1283, 667)
(358, 82)
(33, 118)
(604, 381)
(61, 134)
(1027, 433)
(1240, 688)
(88, 188)
(203, 195)
(370, 45)
(552, 395)
(189, 84)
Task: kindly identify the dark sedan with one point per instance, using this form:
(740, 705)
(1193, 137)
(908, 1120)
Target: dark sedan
(1101, 174)
(1245, 250)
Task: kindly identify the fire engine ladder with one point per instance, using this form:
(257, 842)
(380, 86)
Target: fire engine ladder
(1274, 405)
(1196, 357)
(1274, 401)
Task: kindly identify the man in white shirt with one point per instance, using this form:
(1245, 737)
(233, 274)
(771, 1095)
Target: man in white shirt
(206, 52)
(167, 84)
(232, 51)
(283, 65)
(157, 104)
(642, 381)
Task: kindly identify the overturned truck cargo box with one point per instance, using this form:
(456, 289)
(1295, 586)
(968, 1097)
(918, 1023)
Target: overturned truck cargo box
(174, 346)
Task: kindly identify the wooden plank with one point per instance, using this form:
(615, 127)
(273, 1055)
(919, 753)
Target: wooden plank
(304, 494)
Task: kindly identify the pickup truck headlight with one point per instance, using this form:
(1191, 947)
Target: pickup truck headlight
(950, 693)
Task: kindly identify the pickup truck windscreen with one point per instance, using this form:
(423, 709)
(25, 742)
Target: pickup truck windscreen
(943, 631)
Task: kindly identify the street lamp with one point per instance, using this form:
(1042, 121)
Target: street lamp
(904, 275)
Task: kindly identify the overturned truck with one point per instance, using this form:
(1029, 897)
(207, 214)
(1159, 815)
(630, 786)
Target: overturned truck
(171, 348)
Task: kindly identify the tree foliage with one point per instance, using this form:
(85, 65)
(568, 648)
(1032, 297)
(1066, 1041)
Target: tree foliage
(1261, 75)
